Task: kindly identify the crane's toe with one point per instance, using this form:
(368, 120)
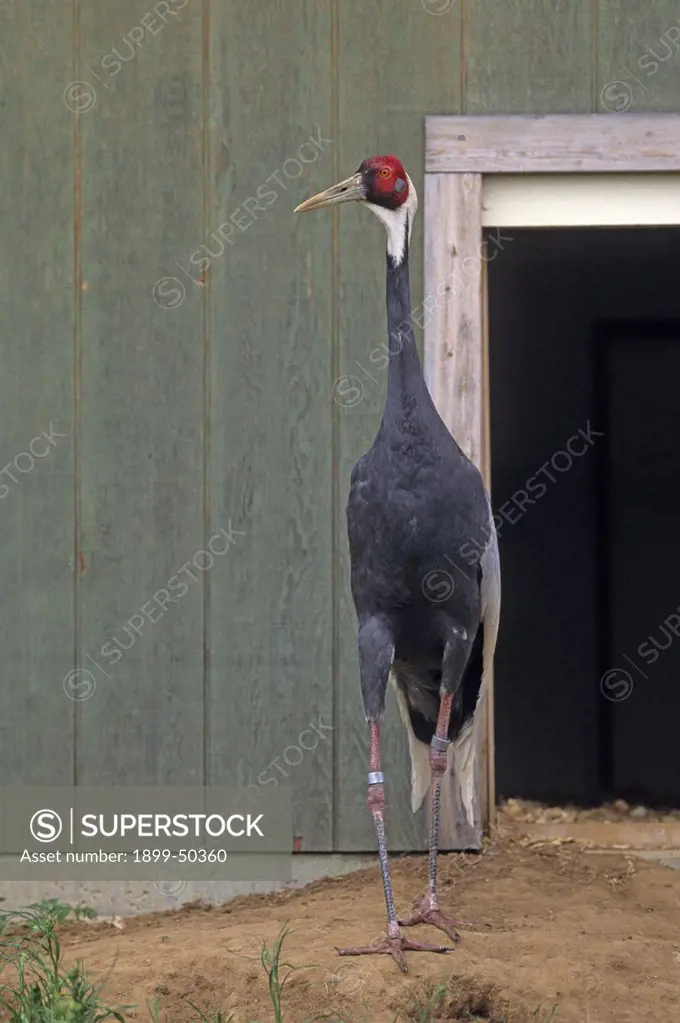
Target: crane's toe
(394, 947)
(425, 913)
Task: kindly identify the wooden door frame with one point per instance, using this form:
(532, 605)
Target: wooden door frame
(459, 151)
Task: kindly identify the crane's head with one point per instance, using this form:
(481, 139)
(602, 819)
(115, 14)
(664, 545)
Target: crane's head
(381, 184)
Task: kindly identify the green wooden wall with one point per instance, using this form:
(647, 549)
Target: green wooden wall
(190, 392)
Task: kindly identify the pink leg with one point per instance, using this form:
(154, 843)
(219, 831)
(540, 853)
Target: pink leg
(426, 910)
(394, 944)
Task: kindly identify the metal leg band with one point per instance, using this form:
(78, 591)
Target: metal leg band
(441, 745)
(375, 777)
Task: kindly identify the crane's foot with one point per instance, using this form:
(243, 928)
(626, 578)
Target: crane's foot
(425, 912)
(394, 947)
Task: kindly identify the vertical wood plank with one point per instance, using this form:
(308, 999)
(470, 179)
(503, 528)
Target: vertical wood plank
(637, 56)
(142, 396)
(454, 350)
(271, 447)
(456, 370)
(528, 56)
(397, 63)
(36, 394)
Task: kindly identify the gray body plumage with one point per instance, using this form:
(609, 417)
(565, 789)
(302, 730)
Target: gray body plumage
(420, 534)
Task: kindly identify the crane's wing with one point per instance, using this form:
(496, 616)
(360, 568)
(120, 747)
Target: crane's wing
(459, 784)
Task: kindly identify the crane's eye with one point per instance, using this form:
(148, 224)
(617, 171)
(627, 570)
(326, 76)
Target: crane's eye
(385, 172)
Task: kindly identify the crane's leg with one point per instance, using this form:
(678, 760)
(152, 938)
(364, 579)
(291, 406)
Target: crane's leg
(426, 910)
(376, 651)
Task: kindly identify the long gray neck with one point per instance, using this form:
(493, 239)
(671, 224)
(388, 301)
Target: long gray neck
(406, 387)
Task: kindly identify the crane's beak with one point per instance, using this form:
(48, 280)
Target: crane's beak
(350, 190)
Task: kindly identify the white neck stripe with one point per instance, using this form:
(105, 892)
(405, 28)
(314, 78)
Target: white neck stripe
(398, 223)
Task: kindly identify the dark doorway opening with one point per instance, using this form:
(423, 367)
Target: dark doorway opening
(639, 385)
(584, 334)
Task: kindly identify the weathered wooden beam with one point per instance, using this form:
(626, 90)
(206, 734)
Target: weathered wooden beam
(456, 372)
(452, 308)
(555, 143)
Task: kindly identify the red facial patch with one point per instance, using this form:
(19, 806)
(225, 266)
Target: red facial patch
(388, 183)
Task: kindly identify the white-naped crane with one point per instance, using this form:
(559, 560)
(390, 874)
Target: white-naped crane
(417, 508)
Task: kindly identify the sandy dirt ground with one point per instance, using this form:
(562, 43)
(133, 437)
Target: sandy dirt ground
(597, 936)
(515, 812)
